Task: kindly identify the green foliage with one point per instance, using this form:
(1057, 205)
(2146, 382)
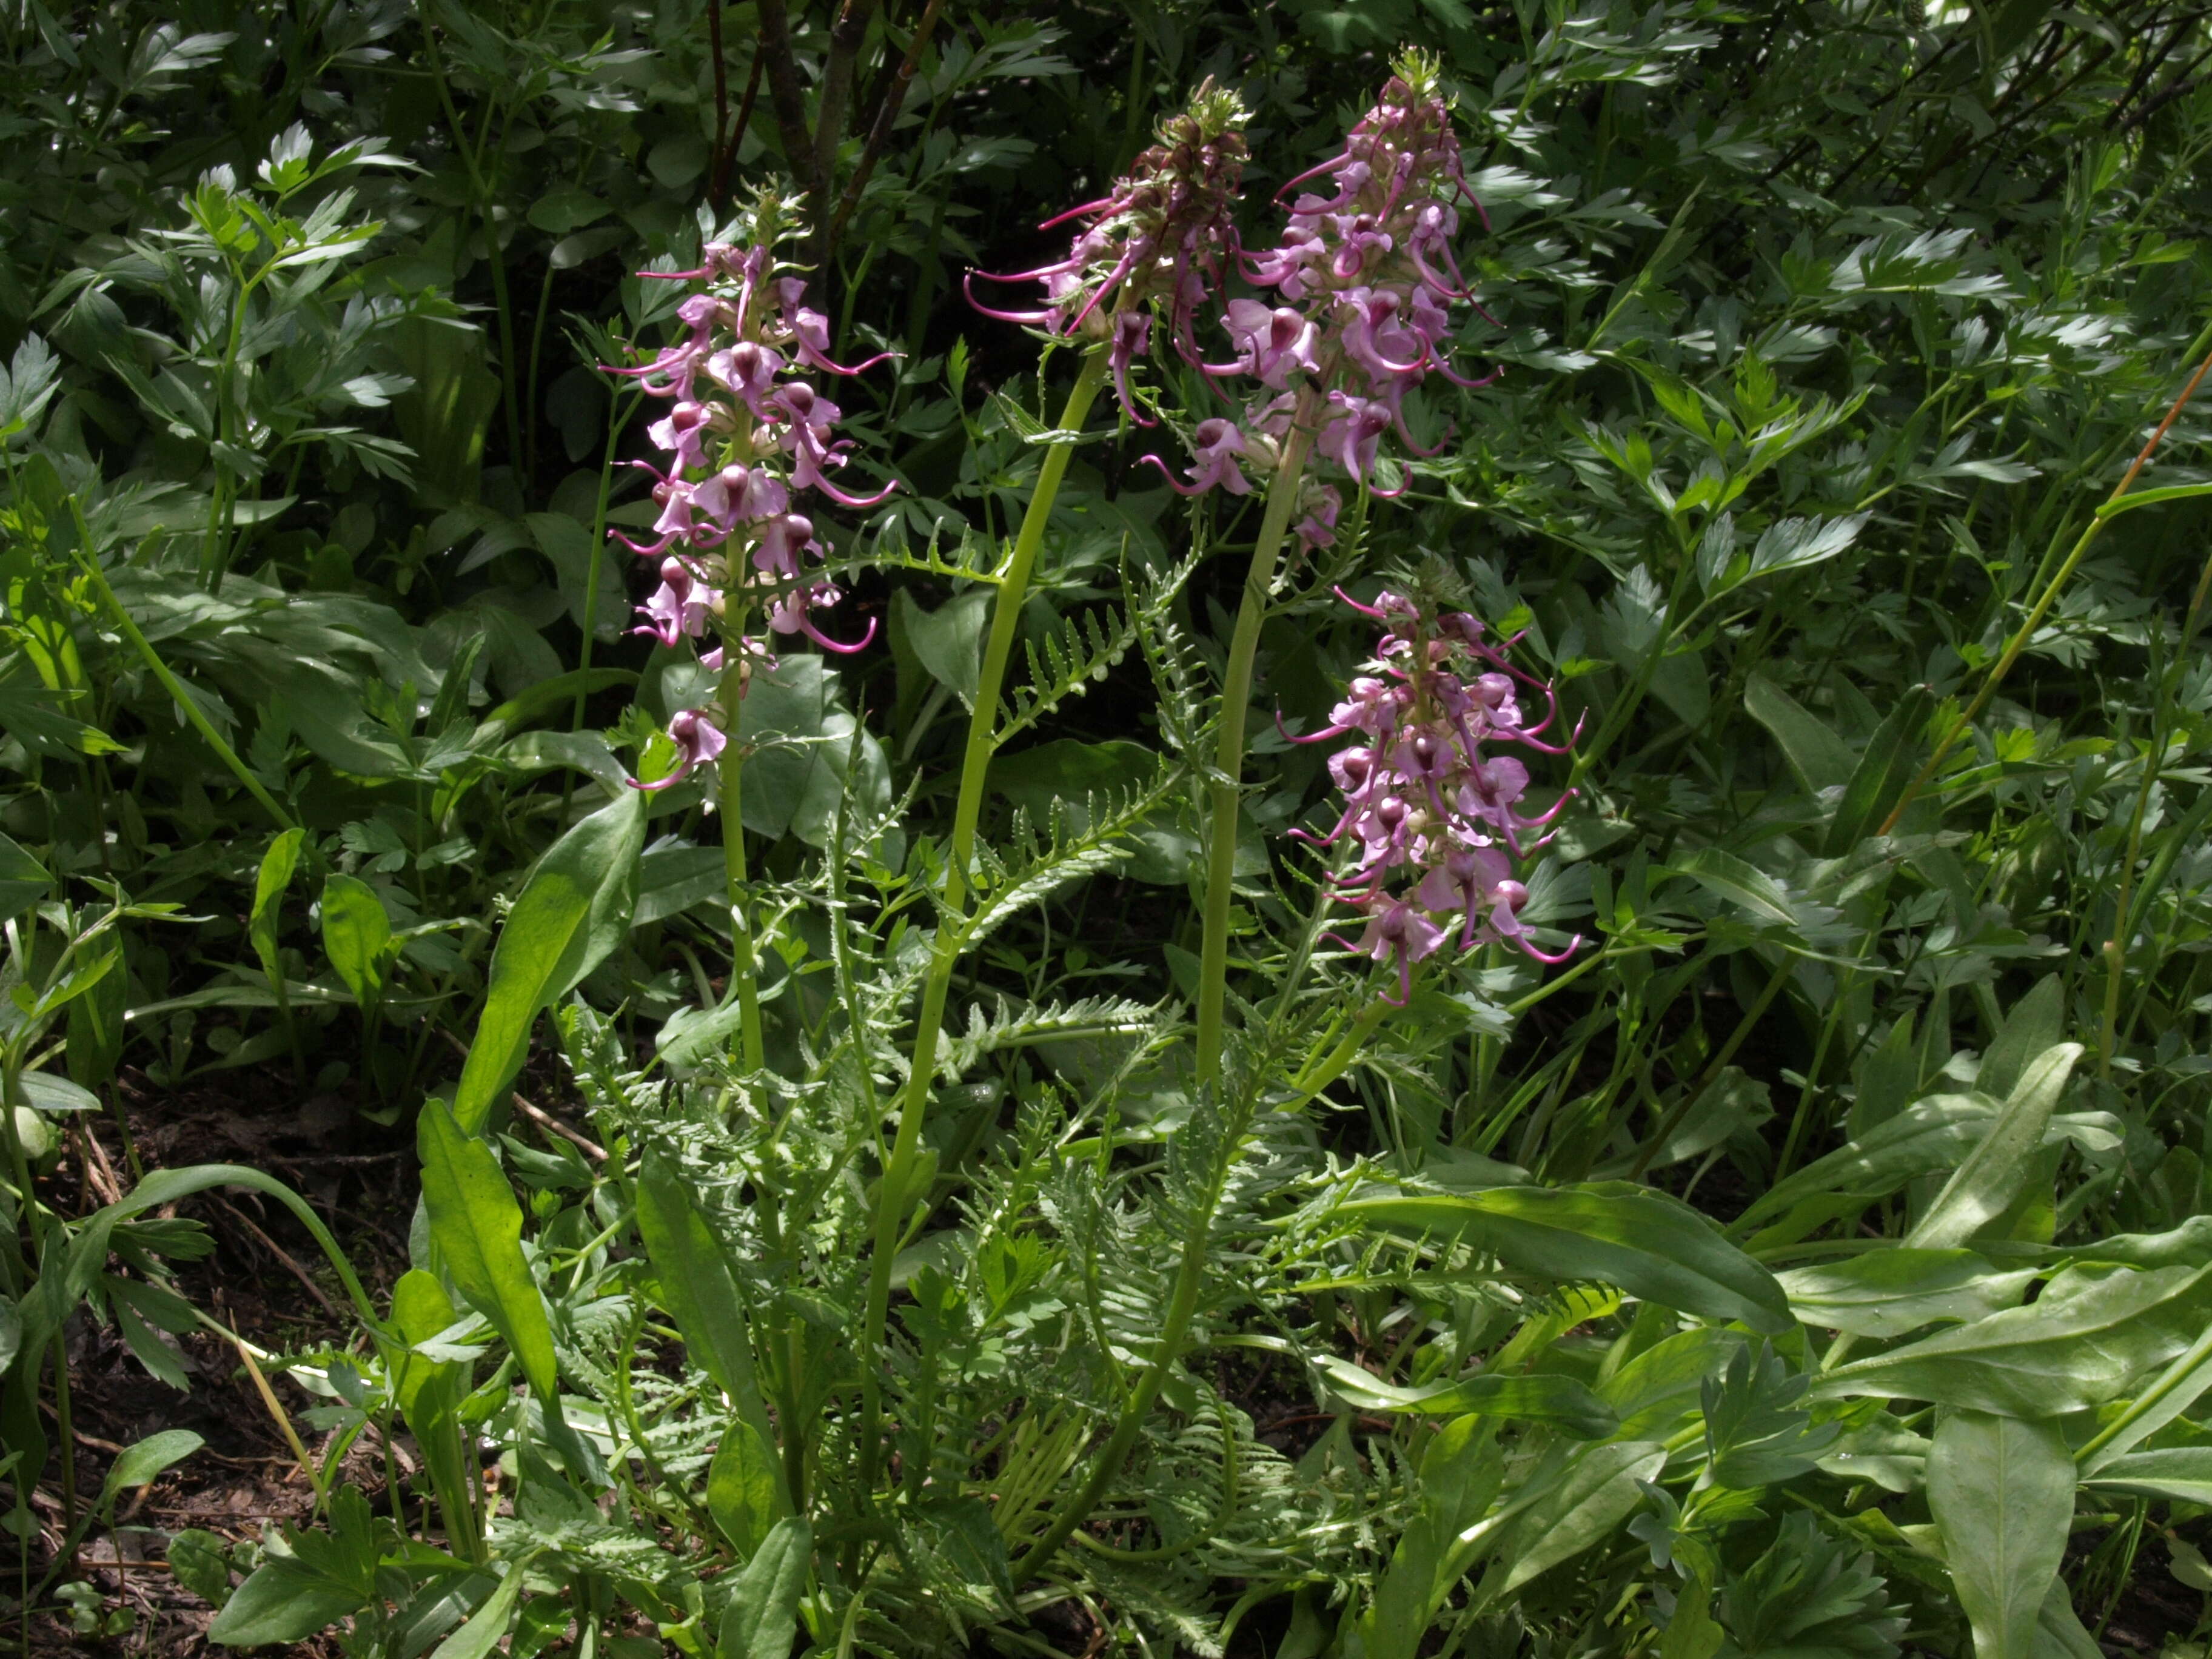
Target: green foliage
(1812, 1256)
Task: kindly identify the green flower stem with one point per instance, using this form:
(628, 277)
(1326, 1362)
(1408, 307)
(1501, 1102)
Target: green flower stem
(891, 1192)
(1190, 1276)
(200, 722)
(1229, 756)
(745, 960)
(1005, 619)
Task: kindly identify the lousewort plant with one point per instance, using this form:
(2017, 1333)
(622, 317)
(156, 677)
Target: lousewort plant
(926, 1371)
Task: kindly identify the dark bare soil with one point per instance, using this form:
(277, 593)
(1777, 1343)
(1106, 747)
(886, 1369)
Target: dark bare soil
(265, 1280)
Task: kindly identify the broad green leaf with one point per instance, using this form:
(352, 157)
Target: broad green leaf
(1649, 1244)
(1881, 775)
(2171, 1393)
(574, 909)
(2059, 1632)
(742, 1484)
(142, 1460)
(1693, 1632)
(700, 1288)
(23, 879)
(2001, 1492)
(284, 1600)
(565, 208)
(793, 781)
(763, 1614)
(1889, 1079)
(1598, 1490)
(50, 1093)
(477, 1227)
(2181, 1474)
(96, 1034)
(200, 1561)
(1888, 1293)
(1992, 1175)
(1928, 1136)
(948, 642)
(275, 875)
(1540, 1397)
(1460, 1473)
(2034, 1026)
(356, 934)
(673, 876)
(1654, 1391)
(2083, 1343)
(430, 1393)
(489, 1623)
(71, 986)
(11, 1334)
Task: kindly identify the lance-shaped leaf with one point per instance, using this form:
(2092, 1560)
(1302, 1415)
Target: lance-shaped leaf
(2001, 1492)
(1541, 1398)
(1611, 1232)
(1929, 1135)
(1992, 1175)
(1889, 1292)
(477, 1227)
(2182, 1474)
(700, 1287)
(572, 912)
(763, 1614)
(2091, 1334)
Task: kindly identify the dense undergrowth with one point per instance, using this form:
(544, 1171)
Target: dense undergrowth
(1769, 1224)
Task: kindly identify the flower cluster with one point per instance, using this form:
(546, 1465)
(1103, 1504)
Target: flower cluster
(1433, 815)
(1364, 280)
(1162, 234)
(745, 433)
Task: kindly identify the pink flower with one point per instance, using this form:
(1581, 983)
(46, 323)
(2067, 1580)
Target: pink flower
(698, 740)
(1213, 462)
(1398, 933)
(1352, 432)
(1318, 528)
(684, 429)
(783, 538)
(680, 607)
(748, 371)
(726, 534)
(811, 329)
(1467, 880)
(1270, 343)
(790, 613)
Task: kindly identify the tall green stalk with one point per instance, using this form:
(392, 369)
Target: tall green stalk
(1229, 753)
(745, 960)
(892, 1193)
